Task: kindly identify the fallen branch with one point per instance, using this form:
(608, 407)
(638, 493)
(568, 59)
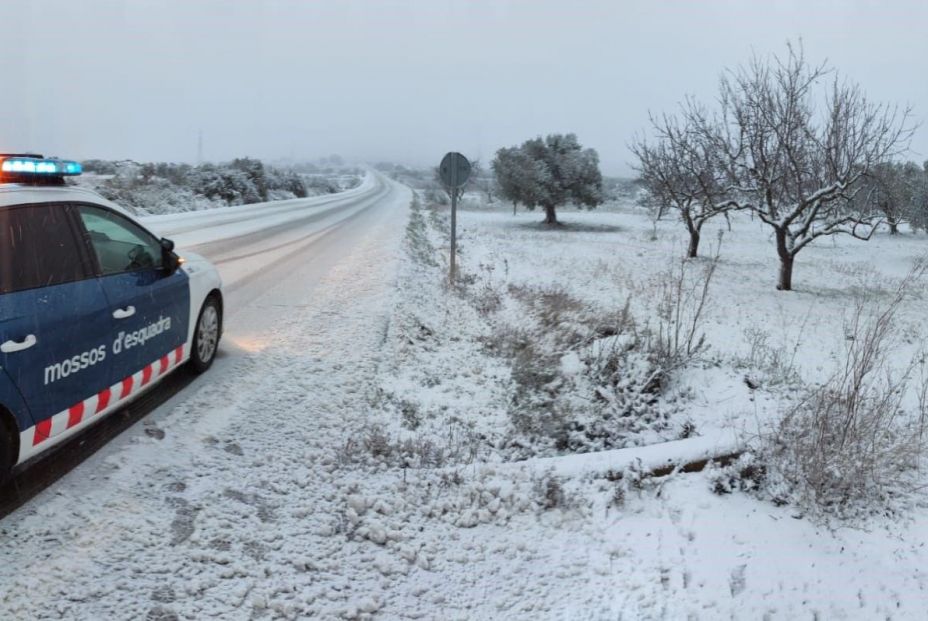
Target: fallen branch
(656, 460)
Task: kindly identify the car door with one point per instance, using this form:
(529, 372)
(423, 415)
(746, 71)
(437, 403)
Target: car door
(149, 306)
(55, 323)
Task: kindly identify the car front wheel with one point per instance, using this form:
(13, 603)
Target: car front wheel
(206, 336)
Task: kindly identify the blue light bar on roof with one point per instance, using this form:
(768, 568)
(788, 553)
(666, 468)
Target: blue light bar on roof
(40, 166)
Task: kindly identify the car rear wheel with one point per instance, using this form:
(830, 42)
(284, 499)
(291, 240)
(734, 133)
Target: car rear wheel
(206, 336)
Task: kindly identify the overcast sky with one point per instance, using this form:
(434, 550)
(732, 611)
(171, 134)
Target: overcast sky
(407, 81)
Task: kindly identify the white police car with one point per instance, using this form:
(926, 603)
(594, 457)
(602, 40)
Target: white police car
(94, 309)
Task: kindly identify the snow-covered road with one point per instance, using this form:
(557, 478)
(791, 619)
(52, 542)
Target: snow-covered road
(210, 507)
(250, 241)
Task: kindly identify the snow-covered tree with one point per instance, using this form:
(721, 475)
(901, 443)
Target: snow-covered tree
(893, 190)
(254, 170)
(679, 171)
(795, 142)
(917, 212)
(518, 178)
(549, 172)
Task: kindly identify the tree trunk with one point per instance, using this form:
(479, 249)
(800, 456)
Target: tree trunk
(694, 228)
(693, 250)
(550, 215)
(786, 262)
(890, 218)
(786, 274)
(514, 204)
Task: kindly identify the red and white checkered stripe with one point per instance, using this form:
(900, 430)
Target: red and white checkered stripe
(107, 399)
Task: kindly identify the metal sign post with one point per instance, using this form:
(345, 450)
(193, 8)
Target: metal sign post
(454, 171)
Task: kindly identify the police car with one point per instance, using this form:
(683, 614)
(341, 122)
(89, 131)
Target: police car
(94, 308)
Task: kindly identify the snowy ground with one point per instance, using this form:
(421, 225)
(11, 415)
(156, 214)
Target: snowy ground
(350, 461)
(550, 537)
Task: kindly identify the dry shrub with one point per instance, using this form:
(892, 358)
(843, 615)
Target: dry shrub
(680, 296)
(559, 317)
(374, 446)
(852, 441)
(774, 364)
(417, 238)
(480, 290)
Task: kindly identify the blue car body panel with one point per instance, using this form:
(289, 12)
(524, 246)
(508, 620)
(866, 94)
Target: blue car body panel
(71, 360)
(159, 323)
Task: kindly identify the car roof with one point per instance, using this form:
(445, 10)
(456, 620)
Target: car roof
(19, 194)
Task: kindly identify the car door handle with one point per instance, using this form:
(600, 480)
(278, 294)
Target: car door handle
(11, 347)
(123, 313)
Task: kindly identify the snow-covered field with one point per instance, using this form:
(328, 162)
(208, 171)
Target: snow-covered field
(555, 537)
(372, 451)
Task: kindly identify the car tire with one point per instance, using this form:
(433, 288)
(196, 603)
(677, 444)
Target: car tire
(206, 336)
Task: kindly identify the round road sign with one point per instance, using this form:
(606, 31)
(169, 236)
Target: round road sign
(454, 170)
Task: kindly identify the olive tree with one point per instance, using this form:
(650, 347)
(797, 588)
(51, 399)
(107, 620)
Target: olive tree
(517, 177)
(917, 212)
(549, 172)
(895, 190)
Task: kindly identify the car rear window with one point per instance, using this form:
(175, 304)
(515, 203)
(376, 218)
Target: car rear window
(38, 248)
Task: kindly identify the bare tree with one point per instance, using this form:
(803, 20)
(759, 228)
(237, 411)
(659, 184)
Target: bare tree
(482, 180)
(680, 171)
(795, 141)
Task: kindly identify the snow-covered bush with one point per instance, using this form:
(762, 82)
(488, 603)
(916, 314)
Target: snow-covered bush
(322, 185)
(582, 381)
(169, 187)
(229, 185)
(745, 474)
(100, 167)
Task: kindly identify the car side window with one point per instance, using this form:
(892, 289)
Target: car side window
(120, 244)
(39, 247)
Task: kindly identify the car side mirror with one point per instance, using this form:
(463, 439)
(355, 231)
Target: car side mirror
(170, 260)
